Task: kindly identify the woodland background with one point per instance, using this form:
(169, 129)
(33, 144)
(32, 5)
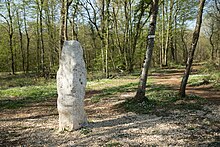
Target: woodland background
(112, 33)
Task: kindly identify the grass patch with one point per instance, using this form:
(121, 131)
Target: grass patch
(208, 72)
(108, 88)
(112, 91)
(161, 99)
(203, 79)
(19, 90)
(22, 80)
(21, 96)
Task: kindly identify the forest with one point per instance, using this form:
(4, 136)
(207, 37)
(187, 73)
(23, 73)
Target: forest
(153, 71)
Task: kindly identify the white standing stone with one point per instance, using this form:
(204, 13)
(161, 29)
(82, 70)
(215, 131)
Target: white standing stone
(71, 84)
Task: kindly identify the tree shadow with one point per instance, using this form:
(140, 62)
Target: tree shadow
(35, 117)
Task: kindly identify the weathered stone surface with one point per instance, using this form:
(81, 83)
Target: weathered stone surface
(71, 83)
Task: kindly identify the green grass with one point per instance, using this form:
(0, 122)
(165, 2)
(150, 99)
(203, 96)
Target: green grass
(210, 72)
(108, 88)
(21, 80)
(111, 92)
(162, 99)
(21, 96)
(205, 78)
(19, 91)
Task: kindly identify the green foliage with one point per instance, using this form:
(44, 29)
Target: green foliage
(148, 1)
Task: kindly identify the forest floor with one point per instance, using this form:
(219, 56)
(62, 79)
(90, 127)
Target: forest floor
(114, 119)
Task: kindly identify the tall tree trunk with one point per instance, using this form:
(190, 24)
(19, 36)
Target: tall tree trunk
(107, 15)
(195, 38)
(10, 33)
(211, 42)
(175, 37)
(28, 41)
(63, 23)
(140, 95)
(162, 52)
(42, 38)
(21, 41)
(185, 47)
(169, 33)
(38, 42)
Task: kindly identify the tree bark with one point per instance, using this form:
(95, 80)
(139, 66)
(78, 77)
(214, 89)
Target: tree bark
(63, 24)
(211, 42)
(169, 33)
(42, 38)
(11, 33)
(21, 40)
(28, 41)
(38, 40)
(195, 38)
(162, 52)
(140, 95)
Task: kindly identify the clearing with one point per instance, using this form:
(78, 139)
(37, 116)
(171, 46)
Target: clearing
(114, 120)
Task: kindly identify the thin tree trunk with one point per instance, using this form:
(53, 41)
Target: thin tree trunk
(140, 95)
(28, 41)
(107, 15)
(175, 38)
(21, 41)
(38, 44)
(11, 32)
(42, 39)
(63, 24)
(169, 33)
(195, 38)
(185, 47)
(162, 38)
(211, 42)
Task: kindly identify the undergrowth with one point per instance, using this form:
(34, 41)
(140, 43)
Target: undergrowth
(209, 73)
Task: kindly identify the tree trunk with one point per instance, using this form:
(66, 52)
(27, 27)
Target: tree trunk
(211, 42)
(162, 52)
(21, 41)
(38, 42)
(107, 15)
(42, 38)
(140, 95)
(185, 47)
(63, 24)
(169, 33)
(195, 38)
(10, 33)
(28, 41)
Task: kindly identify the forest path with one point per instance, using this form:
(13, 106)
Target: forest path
(173, 77)
(180, 124)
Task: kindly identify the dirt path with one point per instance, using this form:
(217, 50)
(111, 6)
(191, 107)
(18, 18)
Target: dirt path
(37, 124)
(173, 79)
